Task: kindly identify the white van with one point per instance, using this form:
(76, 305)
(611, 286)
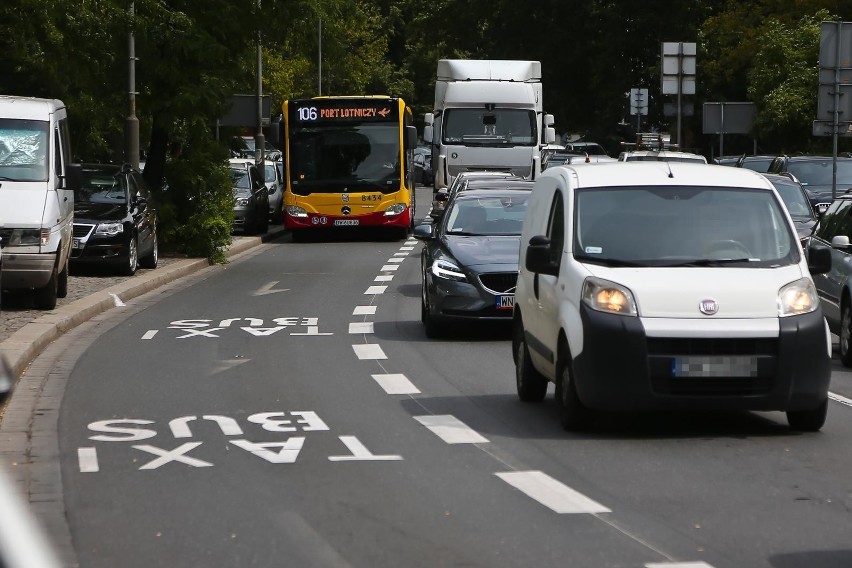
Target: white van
(37, 184)
(661, 285)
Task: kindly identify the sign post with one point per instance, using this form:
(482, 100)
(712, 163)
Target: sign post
(834, 102)
(638, 105)
(678, 74)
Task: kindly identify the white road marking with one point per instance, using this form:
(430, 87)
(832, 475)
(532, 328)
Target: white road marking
(364, 311)
(390, 267)
(678, 565)
(411, 242)
(268, 289)
(313, 330)
(369, 351)
(88, 459)
(376, 290)
(176, 455)
(287, 451)
(840, 399)
(396, 383)
(361, 327)
(360, 452)
(150, 334)
(400, 254)
(451, 430)
(551, 493)
(406, 248)
(383, 278)
(397, 260)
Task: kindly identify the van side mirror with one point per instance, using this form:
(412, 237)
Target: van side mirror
(819, 260)
(539, 255)
(73, 178)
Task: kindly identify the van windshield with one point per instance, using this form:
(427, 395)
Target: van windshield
(682, 226)
(23, 150)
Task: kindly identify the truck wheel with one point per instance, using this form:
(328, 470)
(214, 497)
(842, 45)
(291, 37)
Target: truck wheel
(532, 386)
(45, 298)
(573, 414)
(808, 420)
(62, 283)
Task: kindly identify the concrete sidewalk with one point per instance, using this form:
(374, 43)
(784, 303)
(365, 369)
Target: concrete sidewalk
(26, 343)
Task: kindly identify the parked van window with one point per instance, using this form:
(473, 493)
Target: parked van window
(23, 149)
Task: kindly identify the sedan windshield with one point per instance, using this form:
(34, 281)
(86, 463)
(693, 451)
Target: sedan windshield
(102, 187)
(794, 198)
(819, 172)
(240, 179)
(682, 226)
(487, 216)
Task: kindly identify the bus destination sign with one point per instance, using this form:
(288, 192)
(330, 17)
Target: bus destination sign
(343, 111)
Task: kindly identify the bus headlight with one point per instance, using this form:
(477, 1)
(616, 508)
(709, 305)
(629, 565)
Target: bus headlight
(799, 297)
(296, 211)
(395, 209)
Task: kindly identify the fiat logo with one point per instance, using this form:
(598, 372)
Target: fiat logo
(346, 210)
(345, 197)
(708, 307)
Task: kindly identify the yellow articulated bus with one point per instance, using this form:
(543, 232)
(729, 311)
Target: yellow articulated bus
(349, 162)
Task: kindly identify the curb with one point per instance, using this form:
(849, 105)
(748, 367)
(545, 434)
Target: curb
(23, 346)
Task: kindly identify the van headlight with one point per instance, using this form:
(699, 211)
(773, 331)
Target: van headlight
(449, 270)
(296, 211)
(109, 229)
(799, 297)
(605, 296)
(395, 209)
(28, 237)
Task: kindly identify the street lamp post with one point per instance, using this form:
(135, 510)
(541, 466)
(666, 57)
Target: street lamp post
(131, 123)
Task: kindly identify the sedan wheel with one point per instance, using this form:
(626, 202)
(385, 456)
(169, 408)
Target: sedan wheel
(151, 260)
(846, 334)
(132, 260)
(429, 324)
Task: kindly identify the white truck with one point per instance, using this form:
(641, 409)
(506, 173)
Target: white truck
(488, 115)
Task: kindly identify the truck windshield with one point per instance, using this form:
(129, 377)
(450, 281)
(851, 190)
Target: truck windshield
(23, 150)
(682, 226)
(481, 127)
(350, 157)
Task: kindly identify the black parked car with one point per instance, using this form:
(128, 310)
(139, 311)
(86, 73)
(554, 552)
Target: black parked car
(114, 222)
(815, 173)
(251, 198)
(469, 261)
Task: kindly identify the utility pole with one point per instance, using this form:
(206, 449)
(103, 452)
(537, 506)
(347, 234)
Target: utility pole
(131, 123)
(259, 140)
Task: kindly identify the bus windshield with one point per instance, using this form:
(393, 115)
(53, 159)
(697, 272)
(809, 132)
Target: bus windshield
(345, 157)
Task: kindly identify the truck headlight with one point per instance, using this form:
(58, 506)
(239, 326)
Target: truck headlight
(445, 269)
(395, 209)
(605, 296)
(296, 211)
(799, 297)
(109, 229)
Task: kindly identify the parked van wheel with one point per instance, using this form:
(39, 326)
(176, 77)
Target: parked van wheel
(531, 385)
(45, 298)
(808, 420)
(62, 284)
(573, 414)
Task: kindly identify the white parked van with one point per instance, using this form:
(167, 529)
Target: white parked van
(37, 184)
(663, 285)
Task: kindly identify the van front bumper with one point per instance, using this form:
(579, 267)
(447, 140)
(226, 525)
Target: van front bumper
(621, 368)
(25, 271)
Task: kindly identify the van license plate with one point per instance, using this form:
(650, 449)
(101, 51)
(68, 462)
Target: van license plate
(505, 302)
(345, 222)
(714, 366)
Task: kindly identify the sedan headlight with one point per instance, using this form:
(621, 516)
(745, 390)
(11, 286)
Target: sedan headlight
(605, 296)
(445, 269)
(242, 201)
(296, 211)
(109, 229)
(395, 209)
(799, 297)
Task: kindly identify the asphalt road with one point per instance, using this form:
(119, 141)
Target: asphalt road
(288, 410)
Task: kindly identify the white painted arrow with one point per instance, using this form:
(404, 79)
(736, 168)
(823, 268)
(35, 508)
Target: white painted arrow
(268, 289)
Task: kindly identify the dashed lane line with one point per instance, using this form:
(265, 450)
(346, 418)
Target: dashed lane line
(451, 430)
(361, 327)
(396, 383)
(551, 493)
(369, 351)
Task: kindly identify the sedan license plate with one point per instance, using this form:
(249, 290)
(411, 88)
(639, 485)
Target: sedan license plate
(77, 244)
(714, 366)
(505, 302)
(345, 222)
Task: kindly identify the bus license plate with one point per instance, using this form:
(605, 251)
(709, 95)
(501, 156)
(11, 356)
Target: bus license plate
(505, 302)
(345, 222)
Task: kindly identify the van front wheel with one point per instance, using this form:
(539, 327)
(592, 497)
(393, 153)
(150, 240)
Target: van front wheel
(45, 297)
(573, 414)
(808, 420)
(532, 385)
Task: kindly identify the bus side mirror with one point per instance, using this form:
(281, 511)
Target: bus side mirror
(410, 137)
